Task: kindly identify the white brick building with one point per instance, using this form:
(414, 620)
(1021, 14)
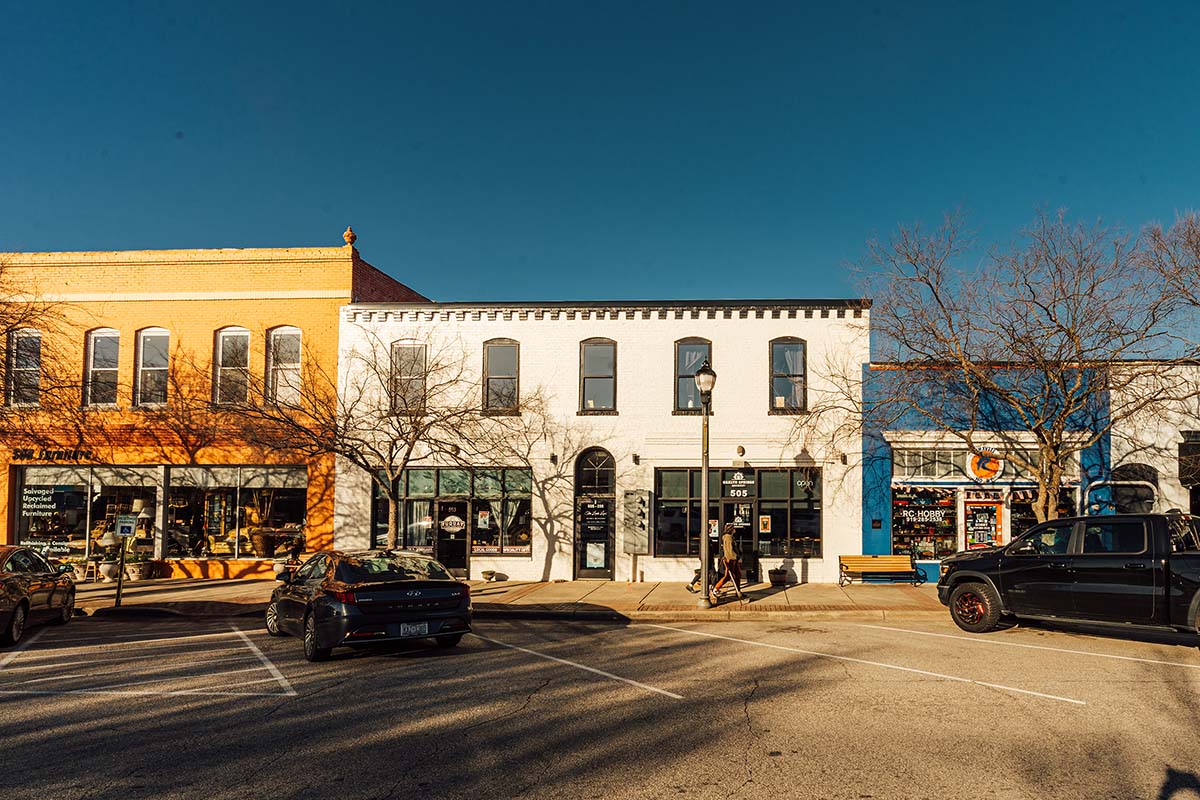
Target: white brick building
(616, 378)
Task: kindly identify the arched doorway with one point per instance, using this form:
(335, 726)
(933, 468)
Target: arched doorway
(595, 521)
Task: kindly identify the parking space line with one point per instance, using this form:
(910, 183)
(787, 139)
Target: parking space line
(121, 671)
(1033, 646)
(92, 647)
(580, 666)
(275, 673)
(34, 663)
(180, 677)
(879, 664)
(4, 662)
(143, 692)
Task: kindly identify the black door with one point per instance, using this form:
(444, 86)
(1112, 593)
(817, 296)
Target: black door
(450, 546)
(1115, 575)
(292, 600)
(594, 539)
(1036, 571)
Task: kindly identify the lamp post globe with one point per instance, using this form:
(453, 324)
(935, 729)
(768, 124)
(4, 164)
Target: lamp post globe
(705, 379)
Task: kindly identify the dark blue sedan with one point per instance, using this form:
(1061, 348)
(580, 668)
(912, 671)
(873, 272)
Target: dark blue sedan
(338, 599)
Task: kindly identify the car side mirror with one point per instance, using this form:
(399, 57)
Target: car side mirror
(1025, 548)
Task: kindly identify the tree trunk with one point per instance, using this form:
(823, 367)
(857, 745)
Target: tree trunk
(393, 536)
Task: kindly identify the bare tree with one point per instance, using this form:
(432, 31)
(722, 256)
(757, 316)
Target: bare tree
(1038, 351)
(396, 404)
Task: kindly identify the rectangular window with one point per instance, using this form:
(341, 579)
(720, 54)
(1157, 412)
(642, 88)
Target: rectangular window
(283, 383)
(24, 368)
(408, 378)
(777, 512)
(937, 464)
(689, 356)
(103, 350)
(1114, 537)
(598, 376)
(153, 355)
(500, 371)
(787, 376)
(499, 509)
(233, 366)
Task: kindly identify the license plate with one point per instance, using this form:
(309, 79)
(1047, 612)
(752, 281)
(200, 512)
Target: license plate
(414, 628)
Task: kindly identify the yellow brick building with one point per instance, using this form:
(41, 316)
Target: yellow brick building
(97, 424)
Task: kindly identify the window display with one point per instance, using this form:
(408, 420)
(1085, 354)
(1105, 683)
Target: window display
(924, 522)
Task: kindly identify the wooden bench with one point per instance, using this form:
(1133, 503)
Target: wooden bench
(848, 566)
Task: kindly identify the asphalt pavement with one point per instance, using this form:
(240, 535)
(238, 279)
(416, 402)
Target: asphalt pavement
(126, 707)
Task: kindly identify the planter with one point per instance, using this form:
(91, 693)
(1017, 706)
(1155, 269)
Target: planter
(109, 570)
(137, 572)
(778, 577)
(263, 544)
(80, 572)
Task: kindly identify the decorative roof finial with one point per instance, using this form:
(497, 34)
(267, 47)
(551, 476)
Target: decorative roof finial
(350, 236)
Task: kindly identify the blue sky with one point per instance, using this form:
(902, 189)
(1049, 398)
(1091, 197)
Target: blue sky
(598, 150)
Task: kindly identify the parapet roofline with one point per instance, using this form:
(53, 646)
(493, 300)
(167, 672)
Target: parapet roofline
(837, 303)
(200, 255)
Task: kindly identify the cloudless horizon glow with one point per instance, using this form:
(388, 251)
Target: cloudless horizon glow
(571, 151)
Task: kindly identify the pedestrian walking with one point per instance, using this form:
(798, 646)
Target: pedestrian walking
(730, 560)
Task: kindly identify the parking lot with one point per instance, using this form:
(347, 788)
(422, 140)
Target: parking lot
(182, 708)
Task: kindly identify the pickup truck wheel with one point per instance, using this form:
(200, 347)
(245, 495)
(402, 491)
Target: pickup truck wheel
(974, 607)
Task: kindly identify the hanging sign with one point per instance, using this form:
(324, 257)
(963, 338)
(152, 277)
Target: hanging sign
(985, 466)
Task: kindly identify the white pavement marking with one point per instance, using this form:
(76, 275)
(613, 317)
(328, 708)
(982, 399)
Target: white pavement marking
(8, 658)
(873, 664)
(580, 666)
(92, 648)
(1033, 646)
(27, 665)
(275, 673)
(143, 692)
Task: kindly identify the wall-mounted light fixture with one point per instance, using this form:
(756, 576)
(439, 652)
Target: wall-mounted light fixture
(554, 458)
(637, 459)
(741, 451)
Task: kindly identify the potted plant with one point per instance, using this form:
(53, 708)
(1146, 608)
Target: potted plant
(137, 566)
(79, 567)
(778, 576)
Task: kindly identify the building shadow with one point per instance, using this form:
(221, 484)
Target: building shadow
(1177, 783)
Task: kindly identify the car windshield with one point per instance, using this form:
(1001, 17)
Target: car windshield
(385, 567)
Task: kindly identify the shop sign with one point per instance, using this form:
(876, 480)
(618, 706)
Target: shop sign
(740, 483)
(453, 524)
(983, 525)
(37, 501)
(926, 515)
(48, 547)
(594, 518)
(985, 466)
(51, 454)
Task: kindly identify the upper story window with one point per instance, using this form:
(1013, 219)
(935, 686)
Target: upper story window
(690, 354)
(153, 360)
(501, 359)
(597, 376)
(408, 377)
(103, 349)
(788, 384)
(233, 366)
(24, 368)
(283, 366)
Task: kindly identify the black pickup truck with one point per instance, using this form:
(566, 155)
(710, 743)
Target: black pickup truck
(1142, 569)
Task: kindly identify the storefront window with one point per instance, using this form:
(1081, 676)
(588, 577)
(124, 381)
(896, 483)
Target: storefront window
(52, 511)
(235, 512)
(775, 512)
(499, 516)
(1022, 515)
(924, 522)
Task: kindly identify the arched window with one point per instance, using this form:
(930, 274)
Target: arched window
(24, 380)
(595, 472)
(283, 366)
(103, 350)
(231, 362)
(1134, 488)
(690, 354)
(597, 376)
(501, 381)
(153, 363)
(788, 376)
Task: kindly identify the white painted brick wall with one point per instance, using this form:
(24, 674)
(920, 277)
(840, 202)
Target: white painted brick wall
(549, 357)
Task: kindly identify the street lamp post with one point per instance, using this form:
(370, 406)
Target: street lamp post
(705, 379)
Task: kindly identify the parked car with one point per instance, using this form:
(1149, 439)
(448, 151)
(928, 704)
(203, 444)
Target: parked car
(32, 590)
(1142, 569)
(340, 599)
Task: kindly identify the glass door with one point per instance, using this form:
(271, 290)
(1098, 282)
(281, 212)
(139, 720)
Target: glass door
(450, 546)
(594, 539)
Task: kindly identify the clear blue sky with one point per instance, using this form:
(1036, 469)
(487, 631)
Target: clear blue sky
(588, 150)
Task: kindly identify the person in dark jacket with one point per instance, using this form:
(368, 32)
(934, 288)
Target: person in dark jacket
(730, 553)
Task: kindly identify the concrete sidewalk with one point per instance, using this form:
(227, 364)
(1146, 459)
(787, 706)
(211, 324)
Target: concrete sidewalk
(581, 600)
